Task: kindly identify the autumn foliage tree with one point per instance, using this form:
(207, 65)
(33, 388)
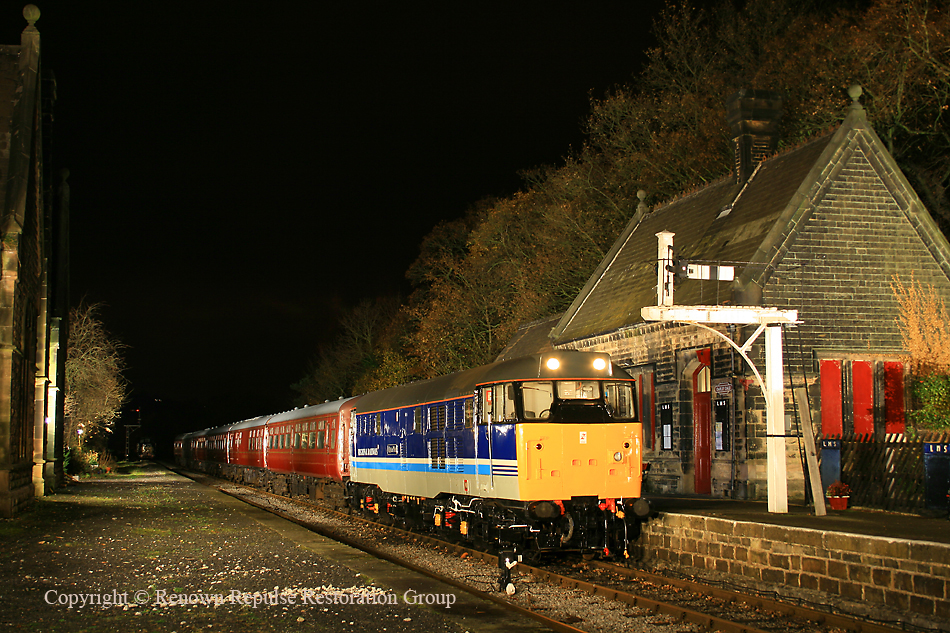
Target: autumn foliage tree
(95, 386)
(512, 260)
(925, 330)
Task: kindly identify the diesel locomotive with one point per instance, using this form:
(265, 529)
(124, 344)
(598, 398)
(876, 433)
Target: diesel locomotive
(535, 454)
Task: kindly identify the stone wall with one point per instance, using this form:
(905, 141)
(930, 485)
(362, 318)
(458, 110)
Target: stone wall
(882, 577)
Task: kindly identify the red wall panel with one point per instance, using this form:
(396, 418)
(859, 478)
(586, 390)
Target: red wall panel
(831, 398)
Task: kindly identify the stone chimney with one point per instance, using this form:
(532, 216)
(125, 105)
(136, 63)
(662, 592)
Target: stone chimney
(754, 117)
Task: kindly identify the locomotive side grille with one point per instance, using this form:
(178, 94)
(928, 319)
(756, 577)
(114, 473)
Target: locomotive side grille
(437, 452)
(438, 418)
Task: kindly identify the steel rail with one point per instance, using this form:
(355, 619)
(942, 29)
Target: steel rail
(677, 612)
(653, 606)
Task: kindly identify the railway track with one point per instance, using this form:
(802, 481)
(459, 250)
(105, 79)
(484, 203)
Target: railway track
(628, 599)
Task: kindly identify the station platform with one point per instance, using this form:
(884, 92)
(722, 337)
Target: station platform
(933, 529)
(152, 551)
(890, 567)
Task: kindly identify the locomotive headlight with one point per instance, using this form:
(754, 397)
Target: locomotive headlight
(553, 363)
(600, 364)
(618, 456)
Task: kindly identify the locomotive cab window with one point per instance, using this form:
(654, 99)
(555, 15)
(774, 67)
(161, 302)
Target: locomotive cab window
(578, 389)
(620, 399)
(504, 402)
(486, 405)
(538, 398)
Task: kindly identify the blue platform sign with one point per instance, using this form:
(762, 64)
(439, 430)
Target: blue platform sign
(936, 475)
(830, 466)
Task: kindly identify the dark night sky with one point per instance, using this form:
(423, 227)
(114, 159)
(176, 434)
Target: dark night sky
(240, 170)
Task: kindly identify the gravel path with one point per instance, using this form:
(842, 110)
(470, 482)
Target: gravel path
(151, 551)
(575, 607)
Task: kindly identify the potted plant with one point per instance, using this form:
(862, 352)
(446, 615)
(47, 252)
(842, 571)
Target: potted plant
(838, 494)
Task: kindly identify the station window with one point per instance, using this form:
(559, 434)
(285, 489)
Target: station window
(666, 426)
(722, 424)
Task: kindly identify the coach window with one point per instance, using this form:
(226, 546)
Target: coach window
(312, 444)
(537, 398)
(379, 424)
(417, 420)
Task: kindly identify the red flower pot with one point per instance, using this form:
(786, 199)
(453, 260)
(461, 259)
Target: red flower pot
(838, 503)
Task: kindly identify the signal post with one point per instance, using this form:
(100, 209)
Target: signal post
(769, 320)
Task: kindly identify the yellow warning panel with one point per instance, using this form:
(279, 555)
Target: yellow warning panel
(560, 461)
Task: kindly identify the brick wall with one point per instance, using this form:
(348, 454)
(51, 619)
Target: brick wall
(877, 576)
(838, 273)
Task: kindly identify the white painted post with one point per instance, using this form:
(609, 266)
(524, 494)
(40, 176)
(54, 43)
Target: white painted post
(664, 278)
(775, 420)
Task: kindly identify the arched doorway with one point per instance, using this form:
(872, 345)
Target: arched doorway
(702, 423)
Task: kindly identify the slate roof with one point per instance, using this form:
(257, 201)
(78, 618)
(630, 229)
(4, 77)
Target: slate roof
(706, 228)
(763, 217)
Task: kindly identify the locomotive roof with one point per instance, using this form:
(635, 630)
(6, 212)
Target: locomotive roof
(573, 365)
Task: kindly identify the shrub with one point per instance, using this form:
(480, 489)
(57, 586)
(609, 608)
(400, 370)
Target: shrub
(933, 394)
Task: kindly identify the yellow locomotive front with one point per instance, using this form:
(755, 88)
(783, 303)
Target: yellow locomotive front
(565, 444)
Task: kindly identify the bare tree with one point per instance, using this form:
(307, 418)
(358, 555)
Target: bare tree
(95, 386)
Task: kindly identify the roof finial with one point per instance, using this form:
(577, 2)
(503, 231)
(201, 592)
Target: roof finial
(31, 13)
(642, 207)
(855, 92)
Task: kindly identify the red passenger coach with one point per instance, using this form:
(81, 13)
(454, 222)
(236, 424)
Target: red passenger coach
(309, 444)
(246, 449)
(300, 452)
